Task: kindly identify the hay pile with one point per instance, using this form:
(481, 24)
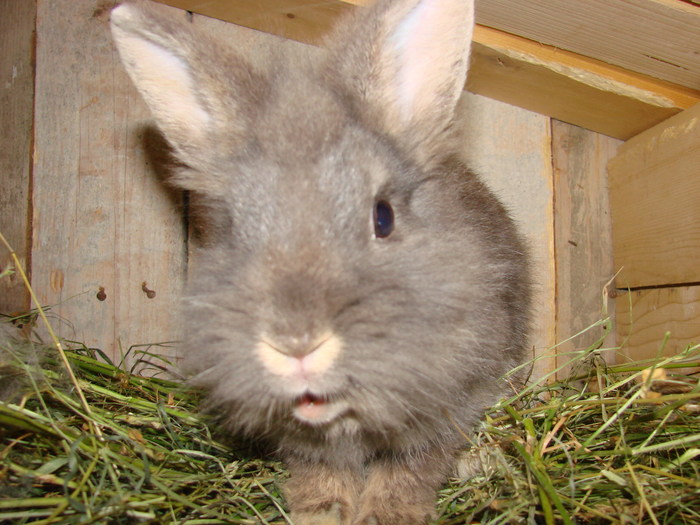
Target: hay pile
(139, 453)
(136, 450)
(616, 444)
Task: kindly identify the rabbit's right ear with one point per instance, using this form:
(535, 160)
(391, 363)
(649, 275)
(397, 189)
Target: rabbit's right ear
(180, 75)
(404, 64)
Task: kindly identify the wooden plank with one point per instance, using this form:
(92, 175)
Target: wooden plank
(569, 87)
(101, 217)
(511, 149)
(306, 21)
(654, 196)
(659, 38)
(545, 79)
(583, 238)
(645, 316)
(16, 103)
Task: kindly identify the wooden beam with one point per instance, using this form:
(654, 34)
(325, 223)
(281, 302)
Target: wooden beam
(550, 81)
(570, 87)
(306, 21)
(654, 200)
(582, 239)
(659, 38)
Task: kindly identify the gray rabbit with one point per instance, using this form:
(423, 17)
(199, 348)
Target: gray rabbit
(363, 291)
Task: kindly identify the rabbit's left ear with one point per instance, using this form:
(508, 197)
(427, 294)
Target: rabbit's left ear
(201, 95)
(160, 66)
(408, 63)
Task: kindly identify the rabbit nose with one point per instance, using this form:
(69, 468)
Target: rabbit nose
(295, 345)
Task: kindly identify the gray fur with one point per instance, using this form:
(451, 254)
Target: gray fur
(289, 163)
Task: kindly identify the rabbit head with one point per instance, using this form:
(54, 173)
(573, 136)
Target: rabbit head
(363, 290)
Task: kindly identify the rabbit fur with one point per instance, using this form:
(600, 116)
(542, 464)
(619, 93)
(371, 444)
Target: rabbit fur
(362, 356)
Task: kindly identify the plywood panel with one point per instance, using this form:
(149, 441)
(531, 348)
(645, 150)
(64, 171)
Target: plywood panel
(645, 316)
(654, 192)
(17, 20)
(583, 237)
(511, 149)
(101, 218)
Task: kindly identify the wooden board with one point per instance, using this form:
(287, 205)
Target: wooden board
(655, 196)
(511, 149)
(570, 87)
(659, 38)
(306, 21)
(583, 241)
(16, 103)
(645, 316)
(101, 217)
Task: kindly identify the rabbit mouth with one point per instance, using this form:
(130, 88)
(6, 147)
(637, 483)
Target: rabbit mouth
(318, 410)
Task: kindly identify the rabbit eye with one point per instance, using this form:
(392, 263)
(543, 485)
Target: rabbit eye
(383, 219)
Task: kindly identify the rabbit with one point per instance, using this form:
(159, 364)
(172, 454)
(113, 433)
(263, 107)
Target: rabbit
(361, 291)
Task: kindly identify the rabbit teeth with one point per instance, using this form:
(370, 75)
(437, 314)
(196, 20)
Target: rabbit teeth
(317, 410)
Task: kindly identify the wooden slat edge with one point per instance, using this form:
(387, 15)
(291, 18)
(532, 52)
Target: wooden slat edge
(571, 88)
(593, 72)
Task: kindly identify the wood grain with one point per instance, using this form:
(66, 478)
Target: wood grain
(302, 20)
(511, 149)
(645, 316)
(659, 38)
(101, 217)
(583, 242)
(16, 132)
(654, 196)
(569, 87)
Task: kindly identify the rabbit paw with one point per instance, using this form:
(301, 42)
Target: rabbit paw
(321, 495)
(402, 492)
(408, 515)
(331, 516)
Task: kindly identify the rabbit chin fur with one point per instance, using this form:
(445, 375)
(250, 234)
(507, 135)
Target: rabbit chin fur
(363, 357)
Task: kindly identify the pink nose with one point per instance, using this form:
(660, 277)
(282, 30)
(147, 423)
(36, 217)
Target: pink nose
(295, 345)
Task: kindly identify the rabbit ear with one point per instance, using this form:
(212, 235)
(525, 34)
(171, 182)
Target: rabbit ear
(407, 62)
(185, 89)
